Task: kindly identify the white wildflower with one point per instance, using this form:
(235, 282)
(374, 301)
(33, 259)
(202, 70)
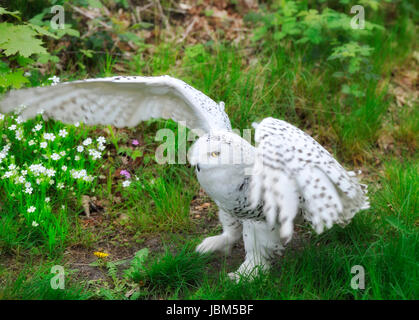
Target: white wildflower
(43, 145)
(95, 154)
(55, 156)
(101, 147)
(19, 120)
(50, 172)
(37, 127)
(49, 136)
(80, 149)
(88, 178)
(7, 174)
(19, 134)
(126, 183)
(29, 190)
(31, 209)
(54, 80)
(35, 224)
(101, 140)
(87, 141)
(63, 133)
(37, 169)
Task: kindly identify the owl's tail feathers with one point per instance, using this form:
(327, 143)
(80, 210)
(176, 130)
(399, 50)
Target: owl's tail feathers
(353, 205)
(366, 204)
(364, 189)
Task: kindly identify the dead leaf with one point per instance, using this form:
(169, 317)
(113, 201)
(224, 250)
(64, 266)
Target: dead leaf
(386, 141)
(203, 206)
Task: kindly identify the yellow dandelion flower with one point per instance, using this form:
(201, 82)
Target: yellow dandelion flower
(101, 254)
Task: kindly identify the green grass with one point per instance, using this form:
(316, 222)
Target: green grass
(171, 272)
(35, 284)
(289, 79)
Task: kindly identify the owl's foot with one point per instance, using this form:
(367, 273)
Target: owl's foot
(222, 243)
(250, 269)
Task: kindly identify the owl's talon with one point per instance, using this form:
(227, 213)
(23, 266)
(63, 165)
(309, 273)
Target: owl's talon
(217, 243)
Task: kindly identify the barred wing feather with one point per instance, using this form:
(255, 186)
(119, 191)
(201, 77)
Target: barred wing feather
(290, 167)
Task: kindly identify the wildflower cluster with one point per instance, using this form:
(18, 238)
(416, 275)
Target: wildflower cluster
(42, 164)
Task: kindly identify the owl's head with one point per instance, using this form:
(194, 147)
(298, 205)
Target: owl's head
(221, 149)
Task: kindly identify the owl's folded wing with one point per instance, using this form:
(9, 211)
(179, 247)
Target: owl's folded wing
(290, 168)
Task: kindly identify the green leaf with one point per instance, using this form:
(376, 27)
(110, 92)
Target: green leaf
(47, 57)
(137, 263)
(125, 150)
(88, 53)
(67, 31)
(279, 35)
(136, 154)
(4, 67)
(43, 31)
(95, 4)
(20, 39)
(14, 80)
(95, 264)
(24, 61)
(141, 255)
(11, 13)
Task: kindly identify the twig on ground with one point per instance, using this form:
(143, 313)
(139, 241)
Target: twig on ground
(89, 16)
(188, 29)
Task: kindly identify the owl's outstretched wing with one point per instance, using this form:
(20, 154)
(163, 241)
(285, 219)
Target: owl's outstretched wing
(292, 168)
(122, 102)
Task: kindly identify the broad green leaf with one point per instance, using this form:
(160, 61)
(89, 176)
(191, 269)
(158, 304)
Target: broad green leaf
(43, 31)
(19, 39)
(14, 80)
(47, 57)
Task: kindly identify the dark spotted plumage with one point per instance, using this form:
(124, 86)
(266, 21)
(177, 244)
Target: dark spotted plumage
(293, 163)
(243, 208)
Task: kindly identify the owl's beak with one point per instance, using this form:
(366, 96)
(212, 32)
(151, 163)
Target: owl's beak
(198, 167)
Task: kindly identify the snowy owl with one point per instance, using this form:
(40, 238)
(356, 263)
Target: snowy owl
(260, 191)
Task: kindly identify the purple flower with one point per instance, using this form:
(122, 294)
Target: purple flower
(135, 142)
(125, 173)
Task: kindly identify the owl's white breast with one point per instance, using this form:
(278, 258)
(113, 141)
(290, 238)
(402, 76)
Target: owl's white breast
(222, 184)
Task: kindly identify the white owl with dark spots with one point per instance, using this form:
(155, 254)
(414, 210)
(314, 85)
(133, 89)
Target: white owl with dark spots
(260, 191)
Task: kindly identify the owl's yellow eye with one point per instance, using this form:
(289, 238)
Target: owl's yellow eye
(215, 154)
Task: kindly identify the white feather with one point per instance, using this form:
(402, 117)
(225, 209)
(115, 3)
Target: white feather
(122, 102)
(302, 167)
